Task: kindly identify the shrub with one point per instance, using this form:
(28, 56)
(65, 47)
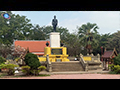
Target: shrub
(32, 61)
(115, 68)
(111, 67)
(118, 70)
(26, 70)
(2, 60)
(117, 60)
(37, 71)
(34, 66)
(41, 68)
(10, 68)
(2, 66)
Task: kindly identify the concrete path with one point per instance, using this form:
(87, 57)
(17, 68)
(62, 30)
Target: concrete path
(72, 76)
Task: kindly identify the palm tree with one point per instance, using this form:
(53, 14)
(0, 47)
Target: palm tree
(87, 32)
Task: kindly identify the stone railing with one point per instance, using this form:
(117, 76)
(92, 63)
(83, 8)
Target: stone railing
(49, 66)
(94, 58)
(92, 64)
(84, 64)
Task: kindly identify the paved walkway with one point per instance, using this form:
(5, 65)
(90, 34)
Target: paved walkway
(94, 74)
(72, 76)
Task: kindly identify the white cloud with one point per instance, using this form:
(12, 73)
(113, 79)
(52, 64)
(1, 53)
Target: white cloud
(108, 21)
(70, 24)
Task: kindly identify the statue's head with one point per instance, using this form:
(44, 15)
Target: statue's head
(54, 17)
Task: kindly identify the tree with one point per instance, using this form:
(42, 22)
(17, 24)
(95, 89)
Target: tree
(5, 50)
(18, 27)
(2, 60)
(117, 60)
(37, 33)
(87, 33)
(73, 44)
(114, 41)
(103, 39)
(17, 51)
(64, 34)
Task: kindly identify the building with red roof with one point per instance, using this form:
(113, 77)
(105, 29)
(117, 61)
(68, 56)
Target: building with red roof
(34, 46)
(107, 57)
(109, 54)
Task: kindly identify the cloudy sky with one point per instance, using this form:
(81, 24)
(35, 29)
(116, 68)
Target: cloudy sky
(107, 21)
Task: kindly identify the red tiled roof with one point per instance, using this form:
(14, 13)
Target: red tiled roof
(34, 46)
(107, 54)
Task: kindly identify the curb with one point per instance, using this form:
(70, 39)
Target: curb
(75, 72)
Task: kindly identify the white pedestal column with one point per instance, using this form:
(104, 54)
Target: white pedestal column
(54, 39)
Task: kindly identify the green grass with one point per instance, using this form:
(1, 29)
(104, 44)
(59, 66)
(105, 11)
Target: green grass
(3, 74)
(40, 75)
(44, 75)
(113, 72)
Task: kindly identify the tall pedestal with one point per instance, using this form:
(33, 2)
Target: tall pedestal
(54, 39)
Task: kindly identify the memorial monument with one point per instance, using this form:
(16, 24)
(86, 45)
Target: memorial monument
(55, 52)
(54, 23)
(54, 36)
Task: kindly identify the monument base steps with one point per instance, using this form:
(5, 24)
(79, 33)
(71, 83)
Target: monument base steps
(67, 66)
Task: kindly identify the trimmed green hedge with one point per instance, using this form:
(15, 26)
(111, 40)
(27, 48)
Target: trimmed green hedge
(32, 61)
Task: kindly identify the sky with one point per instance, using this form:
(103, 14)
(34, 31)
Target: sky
(107, 21)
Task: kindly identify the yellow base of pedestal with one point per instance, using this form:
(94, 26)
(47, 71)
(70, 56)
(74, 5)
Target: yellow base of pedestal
(53, 57)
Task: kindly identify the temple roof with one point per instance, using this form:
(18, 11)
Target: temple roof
(36, 47)
(109, 54)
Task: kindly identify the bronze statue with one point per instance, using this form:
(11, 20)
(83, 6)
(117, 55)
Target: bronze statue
(54, 23)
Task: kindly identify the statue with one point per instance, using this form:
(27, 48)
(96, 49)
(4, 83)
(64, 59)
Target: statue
(54, 23)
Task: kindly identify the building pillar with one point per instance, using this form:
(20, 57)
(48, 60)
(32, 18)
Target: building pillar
(103, 63)
(107, 64)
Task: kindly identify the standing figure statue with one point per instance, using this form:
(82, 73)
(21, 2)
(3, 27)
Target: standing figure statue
(54, 23)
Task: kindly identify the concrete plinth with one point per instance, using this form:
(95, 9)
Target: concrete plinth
(54, 39)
